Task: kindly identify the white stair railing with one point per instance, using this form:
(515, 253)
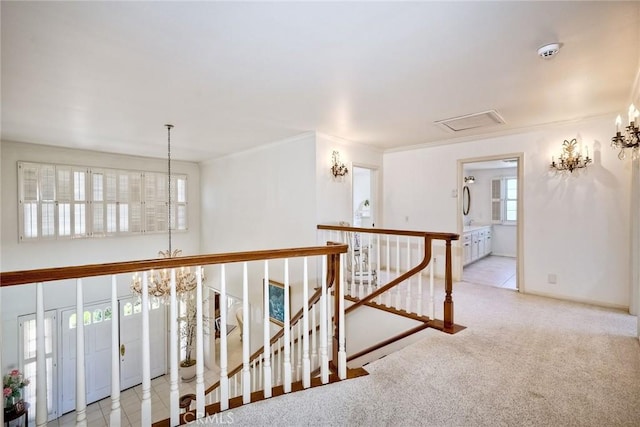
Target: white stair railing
(274, 367)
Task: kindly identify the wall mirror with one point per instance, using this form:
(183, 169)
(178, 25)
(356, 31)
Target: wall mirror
(466, 200)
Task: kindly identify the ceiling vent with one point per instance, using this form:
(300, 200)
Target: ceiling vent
(471, 121)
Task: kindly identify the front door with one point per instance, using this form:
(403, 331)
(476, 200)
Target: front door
(131, 341)
(97, 354)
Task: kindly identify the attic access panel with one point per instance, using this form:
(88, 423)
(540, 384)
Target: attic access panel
(471, 121)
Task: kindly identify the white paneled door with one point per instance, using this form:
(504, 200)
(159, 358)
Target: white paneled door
(97, 344)
(130, 341)
(97, 333)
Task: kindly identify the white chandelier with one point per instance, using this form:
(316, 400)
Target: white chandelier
(159, 282)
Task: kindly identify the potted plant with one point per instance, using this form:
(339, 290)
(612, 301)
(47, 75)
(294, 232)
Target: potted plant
(13, 383)
(188, 336)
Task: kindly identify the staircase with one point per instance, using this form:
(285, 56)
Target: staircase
(385, 307)
(365, 291)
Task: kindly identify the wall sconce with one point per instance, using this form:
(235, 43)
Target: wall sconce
(570, 159)
(631, 137)
(338, 169)
(469, 179)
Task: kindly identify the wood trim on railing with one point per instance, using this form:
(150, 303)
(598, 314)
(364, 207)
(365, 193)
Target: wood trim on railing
(13, 278)
(433, 235)
(388, 341)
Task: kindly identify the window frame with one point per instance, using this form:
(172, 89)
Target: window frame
(503, 200)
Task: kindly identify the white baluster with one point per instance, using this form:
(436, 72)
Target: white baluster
(388, 270)
(420, 254)
(41, 360)
(314, 343)
(306, 363)
(397, 287)
(287, 331)
(408, 283)
(299, 367)
(379, 299)
(324, 358)
(199, 346)
(266, 334)
(369, 276)
(81, 393)
(145, 406)
(254, 377)
(342, 351)
(115, 414)
(360, 267)
(246, 340)
(174, 389)
(278, 362)
(432, 301)
(352, 245)
(224, 380)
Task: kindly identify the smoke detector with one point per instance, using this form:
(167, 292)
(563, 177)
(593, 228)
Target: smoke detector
(548, 51)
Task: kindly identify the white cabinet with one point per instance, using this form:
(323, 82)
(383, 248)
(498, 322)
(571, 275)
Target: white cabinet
(476, 243)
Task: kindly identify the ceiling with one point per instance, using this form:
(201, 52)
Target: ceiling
(230, 76)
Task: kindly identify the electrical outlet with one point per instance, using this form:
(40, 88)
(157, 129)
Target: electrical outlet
(552, 278)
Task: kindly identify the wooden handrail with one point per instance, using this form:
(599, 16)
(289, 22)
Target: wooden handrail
(428, 237)
(13, 278)
(434, 235)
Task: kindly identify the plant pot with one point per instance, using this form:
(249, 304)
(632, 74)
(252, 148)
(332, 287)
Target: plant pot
(188, 370)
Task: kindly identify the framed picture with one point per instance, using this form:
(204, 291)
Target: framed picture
(276, 302)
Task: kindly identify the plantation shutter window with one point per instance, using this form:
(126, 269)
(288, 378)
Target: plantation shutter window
(504, 200)
(496, 200)
(59, 201)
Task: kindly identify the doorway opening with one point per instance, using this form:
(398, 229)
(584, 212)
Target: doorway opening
(490, 221)
(364, 196)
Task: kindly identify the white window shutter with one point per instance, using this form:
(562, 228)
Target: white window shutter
(28, 200)
(98, 210)
(496, 200)
(111, 199)
(64, 183)
(135, 202)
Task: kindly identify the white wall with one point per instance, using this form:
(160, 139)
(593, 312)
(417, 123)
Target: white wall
(274, 197)
(259, 199)
(19, 300)
(335, 197)
(575, 225)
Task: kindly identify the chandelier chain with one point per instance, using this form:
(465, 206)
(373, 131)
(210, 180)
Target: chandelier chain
(169, 182)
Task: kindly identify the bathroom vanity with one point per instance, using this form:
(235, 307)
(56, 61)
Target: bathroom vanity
(476, 242)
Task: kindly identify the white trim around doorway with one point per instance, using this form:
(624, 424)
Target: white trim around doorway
(521, 215)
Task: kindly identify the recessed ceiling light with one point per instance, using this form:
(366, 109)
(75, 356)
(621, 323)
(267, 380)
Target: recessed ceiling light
(548, 51)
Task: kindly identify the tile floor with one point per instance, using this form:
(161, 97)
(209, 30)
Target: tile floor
(497, 271)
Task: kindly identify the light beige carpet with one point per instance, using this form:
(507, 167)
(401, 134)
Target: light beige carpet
(522, 361)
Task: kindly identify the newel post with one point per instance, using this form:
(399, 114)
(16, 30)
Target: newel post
(448, 300)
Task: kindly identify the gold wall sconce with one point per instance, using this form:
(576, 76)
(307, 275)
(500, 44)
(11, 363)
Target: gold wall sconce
(570, 159)
(338, 169)
(630, 139)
